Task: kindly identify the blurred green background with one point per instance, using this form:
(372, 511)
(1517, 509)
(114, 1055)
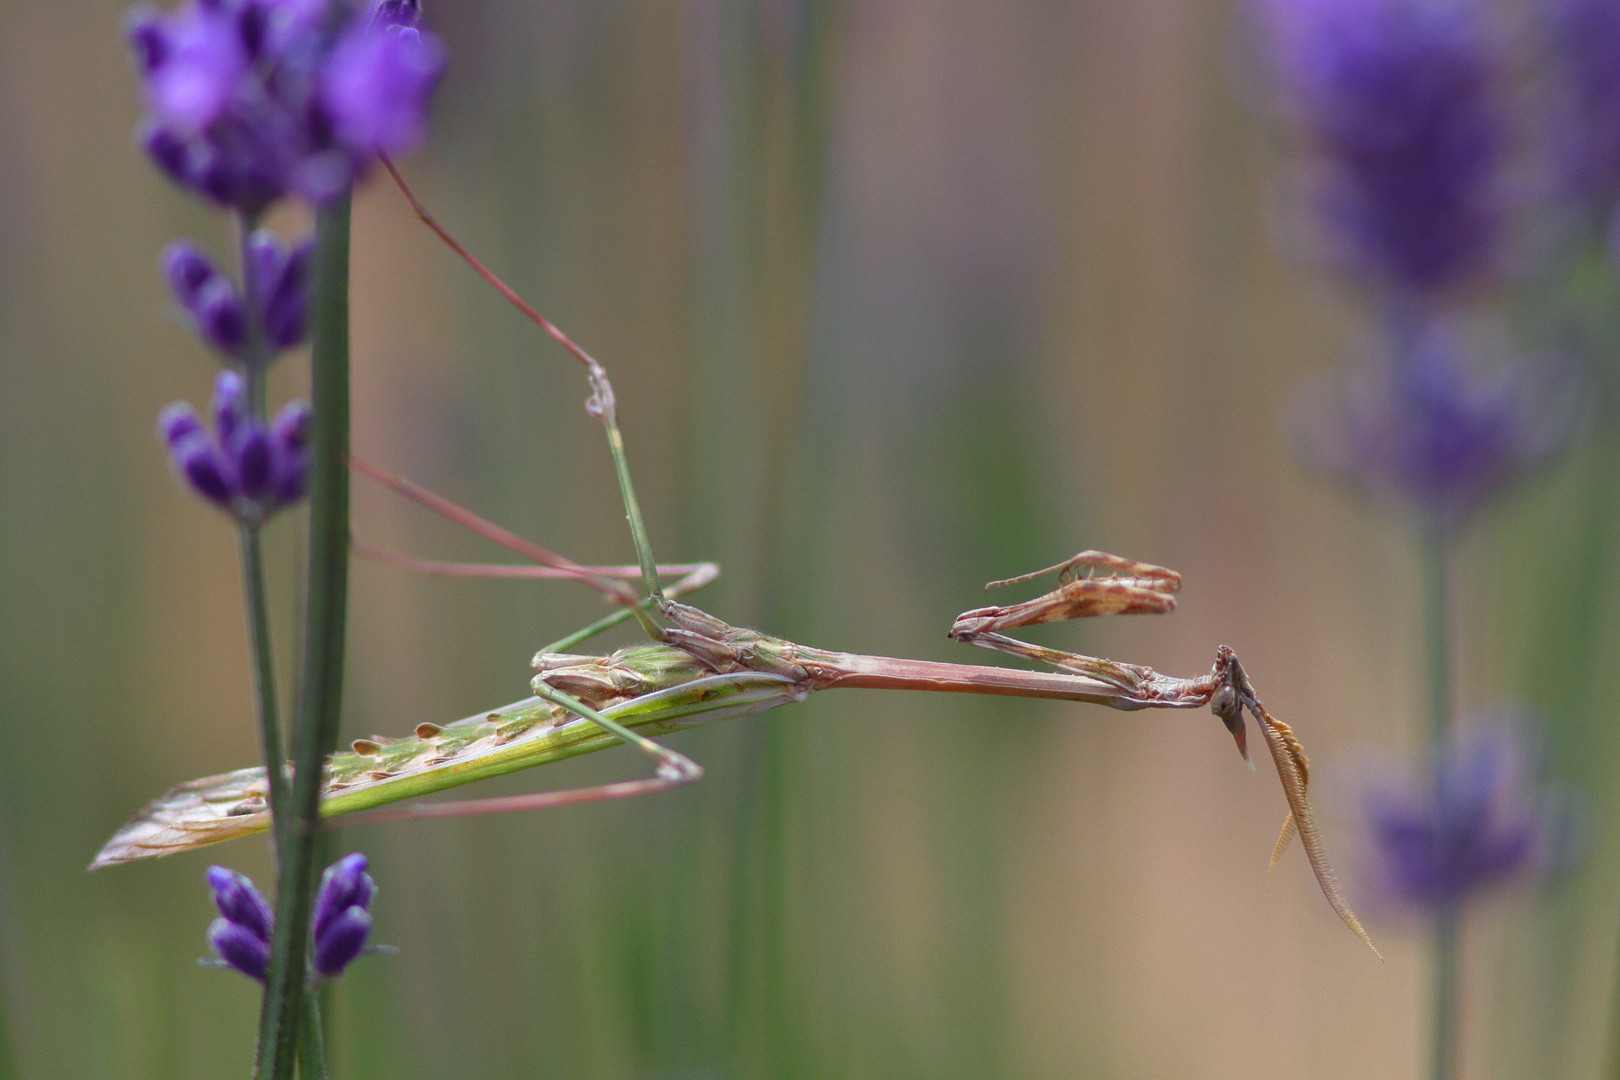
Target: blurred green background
(898, 296)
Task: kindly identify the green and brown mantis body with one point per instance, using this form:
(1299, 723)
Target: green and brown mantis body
(698, 669)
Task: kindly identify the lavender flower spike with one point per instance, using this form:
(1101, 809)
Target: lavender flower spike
(341, 922)
(1472, 825)
(245, 468)
(250, 100)
(1397, 95)
(1432, 433)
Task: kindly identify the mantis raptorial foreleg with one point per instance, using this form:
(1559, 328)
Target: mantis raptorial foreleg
(1140, 588)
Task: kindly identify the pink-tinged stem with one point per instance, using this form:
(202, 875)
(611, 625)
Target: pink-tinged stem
(503, 570)
(438, 504)
(502, 804)
(486, 273)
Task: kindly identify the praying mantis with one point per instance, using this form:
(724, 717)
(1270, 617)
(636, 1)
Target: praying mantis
(697, 669)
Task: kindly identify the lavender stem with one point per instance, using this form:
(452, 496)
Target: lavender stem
(321, 673)
(252, 558)
(264, 680)
(257, 353)
(312, 1045)
(1448, 917)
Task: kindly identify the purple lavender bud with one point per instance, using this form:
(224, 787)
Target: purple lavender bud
(292, 477)
(1399, 98)
(281, 287)
(341, 940)
(255, 464)
(229, 405)
(376, 86)
(188, 270)
(286, 307)
(1435, 434)
(288, 434)
(395, 12)
(200, 69)
(1585, 35)
(290, 428)
(205, 468)
(240, 901)
(345, 885)
(240, 947)
(266, 258)
(178, 422)
(1472, 823)
(253, 27)
(146, 38)
(209, 297)
(168, 151)
(221, 317)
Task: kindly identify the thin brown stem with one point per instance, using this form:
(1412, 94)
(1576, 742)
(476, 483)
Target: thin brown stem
(376, 554)
(489, 275)
(438, 504)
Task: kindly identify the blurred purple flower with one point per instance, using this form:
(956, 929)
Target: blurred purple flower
(1436, 435)
(341, 922)
(1473, 822)
(395, 12)
(1585, 39)
(1398, 97)
(252, 99)
(377, 84)
(192, 64)
(240, 937)
(245, 468)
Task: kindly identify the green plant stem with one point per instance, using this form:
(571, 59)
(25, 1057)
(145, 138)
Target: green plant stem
(255, 358)
(321, 673)
(264, 680)
(1447, 956)
(256, 350)
(1447, 924)
(312, 1056)
(1437, 635)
